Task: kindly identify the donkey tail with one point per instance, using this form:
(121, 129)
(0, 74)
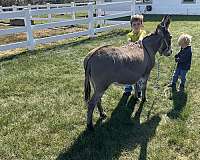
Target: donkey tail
(87, 86)
(87, 67)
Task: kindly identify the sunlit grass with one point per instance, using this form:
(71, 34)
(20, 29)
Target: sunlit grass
(43, 116)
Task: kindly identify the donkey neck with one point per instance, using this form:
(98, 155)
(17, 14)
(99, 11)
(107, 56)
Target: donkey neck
(152, 43)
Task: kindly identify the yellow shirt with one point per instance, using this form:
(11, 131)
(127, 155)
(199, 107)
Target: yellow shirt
(136, 36)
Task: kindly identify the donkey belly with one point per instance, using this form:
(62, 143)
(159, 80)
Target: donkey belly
(127, 76)
(109, 71)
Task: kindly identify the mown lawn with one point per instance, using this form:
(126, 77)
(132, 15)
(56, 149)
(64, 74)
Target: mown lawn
(43, 116)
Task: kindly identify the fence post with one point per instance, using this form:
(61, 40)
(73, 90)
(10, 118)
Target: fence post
(73, 11)
(132, 7)
(49, 15)
(99, 13)
(29, 7)
(14, 8)
(29, 33)
(91, 20)
(1, 9)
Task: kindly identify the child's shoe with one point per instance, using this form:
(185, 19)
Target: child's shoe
(172, 85)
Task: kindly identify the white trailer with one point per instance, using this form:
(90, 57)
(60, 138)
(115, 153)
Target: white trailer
(175, 7)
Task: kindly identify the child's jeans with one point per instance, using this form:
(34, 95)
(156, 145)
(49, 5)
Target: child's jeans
(179, 72)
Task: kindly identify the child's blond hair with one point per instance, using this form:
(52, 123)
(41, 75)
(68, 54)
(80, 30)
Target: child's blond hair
(184, 39)
(137, 17)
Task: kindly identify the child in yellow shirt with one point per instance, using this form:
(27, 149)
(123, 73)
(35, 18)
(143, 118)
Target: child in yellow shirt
(136, 36)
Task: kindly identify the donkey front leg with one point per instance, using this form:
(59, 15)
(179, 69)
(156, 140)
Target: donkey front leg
(91, 105)
(144, 86)
(101, 111)
(144, 99)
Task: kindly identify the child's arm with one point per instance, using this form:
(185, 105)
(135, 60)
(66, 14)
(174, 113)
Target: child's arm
(185, 57)
(177, 56)
(143, 34)
(129, 35)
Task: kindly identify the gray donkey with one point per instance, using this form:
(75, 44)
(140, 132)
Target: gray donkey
(124, 65)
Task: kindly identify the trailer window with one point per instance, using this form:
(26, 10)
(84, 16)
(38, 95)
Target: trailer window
(189, 1)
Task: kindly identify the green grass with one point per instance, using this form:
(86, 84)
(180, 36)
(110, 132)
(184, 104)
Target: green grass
(43, 116)
(78, 15)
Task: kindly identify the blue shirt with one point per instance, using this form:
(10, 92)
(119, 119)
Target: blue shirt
(184, 58)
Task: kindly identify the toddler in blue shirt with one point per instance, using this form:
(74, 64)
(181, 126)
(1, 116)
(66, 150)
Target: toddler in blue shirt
(183, 60)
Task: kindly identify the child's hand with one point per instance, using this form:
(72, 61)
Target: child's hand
(176, 56)
(131, 44)
(177, 59)
(139, 43)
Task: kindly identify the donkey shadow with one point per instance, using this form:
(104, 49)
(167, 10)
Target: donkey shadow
(179, 102)
(120, 133)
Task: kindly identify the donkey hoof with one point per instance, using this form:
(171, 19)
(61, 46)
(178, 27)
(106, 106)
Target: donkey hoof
(103, 116)
(90, 127)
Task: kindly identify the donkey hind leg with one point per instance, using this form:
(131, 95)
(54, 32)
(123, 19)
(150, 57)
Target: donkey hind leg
(144, 99)
(91, 105)
(101, 111)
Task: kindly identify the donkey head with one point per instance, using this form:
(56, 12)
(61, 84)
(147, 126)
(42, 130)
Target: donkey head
(163, 31)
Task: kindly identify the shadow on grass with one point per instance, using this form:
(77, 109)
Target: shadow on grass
(179, 102)
(120, 133)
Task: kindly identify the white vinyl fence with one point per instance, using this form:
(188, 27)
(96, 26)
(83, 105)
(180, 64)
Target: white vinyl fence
(27, 14)
(45, 6)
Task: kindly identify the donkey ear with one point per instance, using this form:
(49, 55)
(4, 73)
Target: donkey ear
(159, 30)
(165, 22)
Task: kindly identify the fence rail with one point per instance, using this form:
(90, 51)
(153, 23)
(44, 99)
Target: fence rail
(27, 14)
(69, 8)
